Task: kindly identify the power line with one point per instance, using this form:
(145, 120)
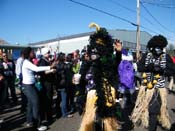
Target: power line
(160, 5)
(149, 29)
(104, 12)
(134, 11)
(155, 18)
(118, 4)
(131, 10)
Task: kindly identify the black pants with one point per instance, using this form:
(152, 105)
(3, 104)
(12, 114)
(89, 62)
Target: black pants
(154, 110)
(153, 122)
(70, 98)
(46, 101)
(2, 93)
(10, 83)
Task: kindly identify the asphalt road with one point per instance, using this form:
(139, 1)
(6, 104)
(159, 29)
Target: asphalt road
(15, 121)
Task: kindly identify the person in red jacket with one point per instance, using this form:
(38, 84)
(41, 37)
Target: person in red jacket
(173, 58)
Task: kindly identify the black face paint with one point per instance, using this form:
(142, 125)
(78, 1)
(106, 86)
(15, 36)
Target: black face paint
(157, 51)
(150, 49)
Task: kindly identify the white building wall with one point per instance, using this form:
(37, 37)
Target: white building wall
(70, 45)
(66, 46)
(53, 46)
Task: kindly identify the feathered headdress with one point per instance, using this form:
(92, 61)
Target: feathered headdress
(101, 41)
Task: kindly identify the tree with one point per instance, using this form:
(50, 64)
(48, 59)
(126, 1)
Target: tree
(170, 49)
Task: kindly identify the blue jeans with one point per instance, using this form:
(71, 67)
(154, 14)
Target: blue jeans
(23, 97)
(62, 98)
(32, 103)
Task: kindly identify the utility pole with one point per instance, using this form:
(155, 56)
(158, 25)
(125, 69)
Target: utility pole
(138, 30)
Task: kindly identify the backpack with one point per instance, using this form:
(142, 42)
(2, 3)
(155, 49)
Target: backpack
(126, 74)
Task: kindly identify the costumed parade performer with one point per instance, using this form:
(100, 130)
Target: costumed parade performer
(151, 104)
(100, 108)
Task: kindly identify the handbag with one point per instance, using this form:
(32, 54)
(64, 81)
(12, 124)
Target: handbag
(76, 79)
(38, 83)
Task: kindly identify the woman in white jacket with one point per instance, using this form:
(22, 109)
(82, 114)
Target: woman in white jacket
(29, 89)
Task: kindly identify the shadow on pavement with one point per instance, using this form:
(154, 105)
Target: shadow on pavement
(28, 129)
(172, 127)
(15, 121)
(173, 110)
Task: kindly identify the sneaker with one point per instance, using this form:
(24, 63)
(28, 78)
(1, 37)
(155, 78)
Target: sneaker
(29, 125)
(137, 88)
(69, 116)
(120, 99)
(1, 121)
(42, 128)
(117, 100)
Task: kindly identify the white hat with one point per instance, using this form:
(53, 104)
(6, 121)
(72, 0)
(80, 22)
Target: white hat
(44, 51)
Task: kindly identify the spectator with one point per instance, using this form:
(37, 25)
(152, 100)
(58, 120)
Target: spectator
(173, 57)
(125, 69)
(81, 95)
(46, 93)
(9, 77)
(35, 60)
(18, 71)
(30, 90)
(76, 54)
(170, 86)
(62, 87)
(70, 87)
(76, 77)
(2, 85)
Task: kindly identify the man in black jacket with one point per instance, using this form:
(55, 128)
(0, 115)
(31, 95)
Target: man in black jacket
(62, 82)
(46, 93)
(81, 95)
(2, 85)
(9, 76)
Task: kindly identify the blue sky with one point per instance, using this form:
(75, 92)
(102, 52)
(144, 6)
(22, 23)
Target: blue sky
(27, 21)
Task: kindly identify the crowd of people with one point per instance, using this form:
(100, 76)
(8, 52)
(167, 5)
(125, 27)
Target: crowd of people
(73, 77)
(38, 78)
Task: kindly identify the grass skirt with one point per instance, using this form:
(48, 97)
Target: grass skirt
(140, 112)
(88, 119)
